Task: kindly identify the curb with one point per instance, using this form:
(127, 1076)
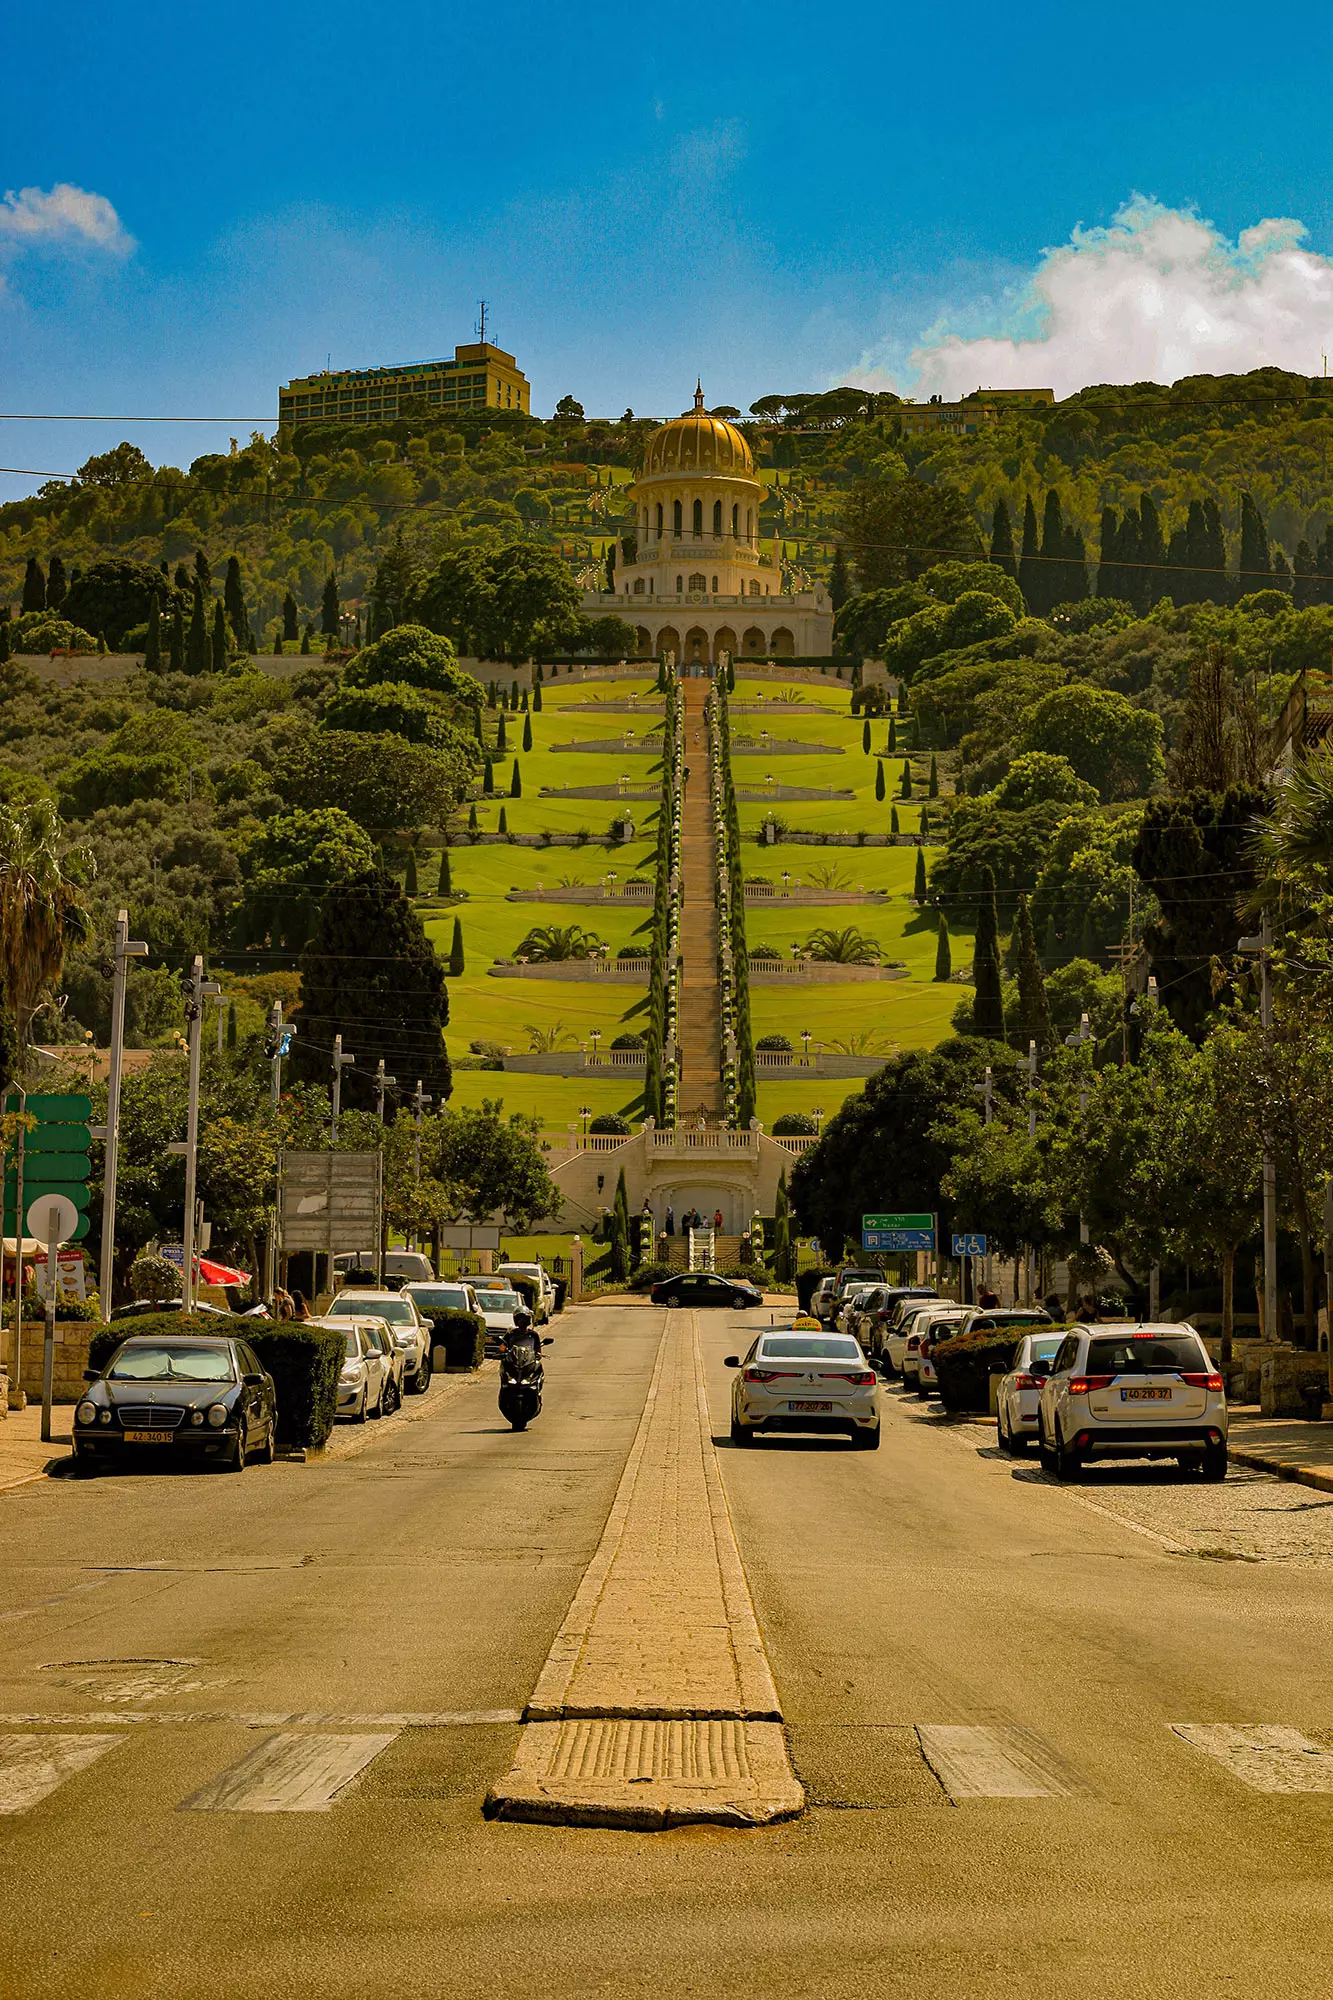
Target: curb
(1281, 1468)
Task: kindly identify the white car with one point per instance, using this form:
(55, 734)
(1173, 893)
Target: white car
(399, 1265)
(539, 1276)
(973, 1319)
(441, 1295)
(1133, 1391)
(821, 1299)
(850, 1304)
(794, 1380)
(410, 1333)
(902, 1342)
(364, 1373)
(1020, 1389)
(497, 1308)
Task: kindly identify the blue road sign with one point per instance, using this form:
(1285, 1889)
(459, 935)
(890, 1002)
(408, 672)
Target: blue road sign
(897, 1239)
(969, 1246)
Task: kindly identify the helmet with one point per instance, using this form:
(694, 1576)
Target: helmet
(522, 1319)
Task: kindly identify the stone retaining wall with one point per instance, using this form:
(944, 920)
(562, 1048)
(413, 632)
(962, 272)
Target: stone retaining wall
(71, 1358)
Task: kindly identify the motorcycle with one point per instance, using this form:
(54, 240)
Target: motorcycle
(521, 1379)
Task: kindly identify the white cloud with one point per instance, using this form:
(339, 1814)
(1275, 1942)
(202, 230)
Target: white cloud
(1158, 294)
(64, 214)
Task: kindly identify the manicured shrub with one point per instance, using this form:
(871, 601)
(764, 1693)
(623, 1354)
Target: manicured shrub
(965, 1366)
(649, 1275)
(304, 1362)
(162, 1325)
(806, 1283)
(794, 1125)
(462, 1335)
(611, 1121)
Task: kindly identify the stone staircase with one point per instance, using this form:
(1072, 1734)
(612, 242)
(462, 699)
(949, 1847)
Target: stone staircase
(700, 1013)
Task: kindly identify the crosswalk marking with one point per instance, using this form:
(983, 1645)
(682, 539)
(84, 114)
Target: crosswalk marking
(974, 1763)
(1266, 1756)
(290, 1773)
(31, 1767)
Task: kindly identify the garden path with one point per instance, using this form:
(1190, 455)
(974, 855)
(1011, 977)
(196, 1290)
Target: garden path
(700, 1012)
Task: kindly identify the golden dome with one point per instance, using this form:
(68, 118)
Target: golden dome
(697, 442)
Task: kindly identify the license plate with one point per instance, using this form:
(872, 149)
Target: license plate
(148, 1437)
(809, 1406)
(1145, 1395)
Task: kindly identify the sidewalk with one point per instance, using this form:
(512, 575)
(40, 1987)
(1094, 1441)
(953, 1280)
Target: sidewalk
(1287, 1446)
(23, 1456)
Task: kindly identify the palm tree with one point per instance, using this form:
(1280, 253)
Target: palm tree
(545, 1041)
(548, 944)
(41, 904)
(828, 875)
(846, 947)
(1299, 837)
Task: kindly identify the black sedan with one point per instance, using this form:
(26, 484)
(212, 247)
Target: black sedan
(706, 1288)
(186, 1398)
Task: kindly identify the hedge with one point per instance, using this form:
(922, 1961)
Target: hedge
(649, 1275)
(965, 1365)
(462, 1335)
(304, 1361)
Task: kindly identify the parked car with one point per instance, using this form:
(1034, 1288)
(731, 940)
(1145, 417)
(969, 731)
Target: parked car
(903, 1337)
(878, 1310)
(497, 1307)
(849, 1304)
(409, 1331)
(978, 1318)
(706, 1288)
(400, 1266)
(797, 1380)
(1133, 1391)
(364, 1372)
(190, 1398)
(435, 1298)
(541, 1277)
(821, 1299)
(377, 1330)
(1020, 1390)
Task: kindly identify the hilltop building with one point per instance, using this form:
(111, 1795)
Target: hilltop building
(700, 581)
(478, 375)
(970, 413)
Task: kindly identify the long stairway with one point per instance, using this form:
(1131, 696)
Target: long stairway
(700, 1012)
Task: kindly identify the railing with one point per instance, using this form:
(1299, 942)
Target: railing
(795, 1145)
(682, 1139)
(700, 1250)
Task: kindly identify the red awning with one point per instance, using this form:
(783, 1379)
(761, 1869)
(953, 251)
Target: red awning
(220, 1274)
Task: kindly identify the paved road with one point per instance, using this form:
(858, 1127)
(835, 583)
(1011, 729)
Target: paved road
(1040, 1640)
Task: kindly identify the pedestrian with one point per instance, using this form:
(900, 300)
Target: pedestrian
(282, 1304)
(1054, 1305)
(300, 1310)
(987, 1299)
(670, 1220)
(717, 1220)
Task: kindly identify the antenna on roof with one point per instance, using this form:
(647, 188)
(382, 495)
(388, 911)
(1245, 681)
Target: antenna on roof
(480, 328)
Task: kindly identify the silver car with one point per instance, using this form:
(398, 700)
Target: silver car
(364, 1373)
(407, 1329)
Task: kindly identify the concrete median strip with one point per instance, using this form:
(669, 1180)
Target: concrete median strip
(656, 1706)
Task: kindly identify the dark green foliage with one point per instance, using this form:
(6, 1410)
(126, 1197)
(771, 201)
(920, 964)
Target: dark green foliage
(905, 790)
(383, 783)
(1034, 1014)
(115, 596)
(1029, 564)
(34, 586)
(943, 952)
(865, 736)
(445, 885)
(176, 643)
(1002, 539)
(516, 782)
(503, 823)
(218, 651)
(501, 743)
(527, 732)
(232, 1030)
(1196, 854)
(56, 584)
(919, 880)
(896, 529)
(162, 1326)
(410, 873)
(6, 643)
(305, 1362)
(879, 777)
(502, 603)
(933, 785)
(894, 826)
(840, 581)
(1256, 565)
(305, 640)
(462, 1335)
(233, 598)
(291, 629)
(369, 971)
(487, 776)
(988, 1006)
(892, 744)
(472, 821)
(966, 1364)
(537, 697)
(203, 570)
(198, 652)
(152, 652)
(456, 961)
(330, 607)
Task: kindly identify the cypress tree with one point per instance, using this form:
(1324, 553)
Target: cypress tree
(176, 640)
(1108, 571)
(231, 1025)
(1152, 552)
(1051, 574)
(1029, 565)
(1133, 577)
(1088, 944)
(923, 823)
(537, 676)
(56, 585)
(202, 570)
(839, 580)
(219, 647)
(183, 580)
(488, 776)
(1076, 585)
(152, 650)
(731, 677)
(879, 779)
(504, 821)
(472, 821)
(891, 748)
(290, 618)
(513, 696)
(330, 607)
(34, 587)
(1282, 579)
(1306, 576)
(537, 698)
(865, 736)
(6, 643)
(516, 782)
(445, 886)
(410, 873)
(456, 963)
(919, 882)
(1034, 1014)
(524, 703)
(988, 1005)
(1050, 946)
(233, 596)
(943, 953)
(1255, 563)
(1002, 539)
(527, 732)
(933, 787)
(893, 820)
(196, 643)
(906, 788)
(305, 640)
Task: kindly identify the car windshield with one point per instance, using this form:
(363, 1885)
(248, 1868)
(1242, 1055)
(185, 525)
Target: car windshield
(397, 1311)
(174, 1363)
(441, 1298)
(499, 1302)
(804, 1348)
(353, 1348)
(1159, 1354)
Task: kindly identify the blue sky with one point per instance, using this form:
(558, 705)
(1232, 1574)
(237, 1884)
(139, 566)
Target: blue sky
(205, 203)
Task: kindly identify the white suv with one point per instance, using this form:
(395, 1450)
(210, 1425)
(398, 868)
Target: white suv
(410, 1332)
(1133, 1392)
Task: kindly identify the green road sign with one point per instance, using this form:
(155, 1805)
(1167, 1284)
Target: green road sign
(76, 1236)
(40, 1184)
(40, 1168)
(878, 1222)
(55, 1150)
(52, 1107)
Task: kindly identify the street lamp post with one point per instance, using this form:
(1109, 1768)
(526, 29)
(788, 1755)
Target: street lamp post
(1261, 947)
(585, 1113)
(1076, 1042)
(201, 991)
(125, 948)
(817, 1113)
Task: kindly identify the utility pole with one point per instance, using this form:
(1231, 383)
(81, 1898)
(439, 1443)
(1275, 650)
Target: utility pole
(279, 1041)
(221, 999)
(1030, 1263)
(124, 949)
(420, 1100)
(1262, 948)
(340, 1063)
(201, 990)
(381, 1083)
(1076, 1042)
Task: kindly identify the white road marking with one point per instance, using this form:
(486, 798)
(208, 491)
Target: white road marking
(1266, 1756)
(973, 1763)
(290, 1774)
(31, 1767)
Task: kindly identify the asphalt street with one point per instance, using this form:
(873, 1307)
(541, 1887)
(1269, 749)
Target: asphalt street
(944, 1627)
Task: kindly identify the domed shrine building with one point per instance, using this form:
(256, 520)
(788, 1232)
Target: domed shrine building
(700, 582)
